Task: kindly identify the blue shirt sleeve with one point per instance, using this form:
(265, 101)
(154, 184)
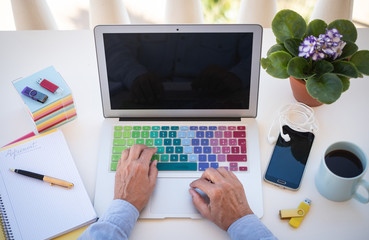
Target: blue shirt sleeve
(251, 228)
(116, 223)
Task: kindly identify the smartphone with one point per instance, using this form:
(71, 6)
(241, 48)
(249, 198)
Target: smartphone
(289, 158)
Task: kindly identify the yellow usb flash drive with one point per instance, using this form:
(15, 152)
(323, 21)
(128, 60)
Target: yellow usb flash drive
(296, 215)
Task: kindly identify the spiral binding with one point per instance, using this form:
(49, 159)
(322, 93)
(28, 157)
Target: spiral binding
(5, 225)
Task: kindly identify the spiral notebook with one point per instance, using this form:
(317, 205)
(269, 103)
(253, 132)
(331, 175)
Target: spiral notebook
(32, 209)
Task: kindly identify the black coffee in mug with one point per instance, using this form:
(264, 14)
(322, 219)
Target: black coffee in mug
(344, 163)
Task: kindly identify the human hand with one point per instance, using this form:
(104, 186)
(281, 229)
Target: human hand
(215, 80)
(146, 88)
(135, 178)
(227, 197)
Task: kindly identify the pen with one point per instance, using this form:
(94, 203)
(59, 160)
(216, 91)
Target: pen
(51, 180)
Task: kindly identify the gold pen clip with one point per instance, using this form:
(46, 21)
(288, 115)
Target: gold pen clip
(58, 182)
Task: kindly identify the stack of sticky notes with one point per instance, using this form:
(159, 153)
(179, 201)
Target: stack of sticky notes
(48, 99)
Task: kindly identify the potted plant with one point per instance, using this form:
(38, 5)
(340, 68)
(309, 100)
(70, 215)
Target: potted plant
(324, 56)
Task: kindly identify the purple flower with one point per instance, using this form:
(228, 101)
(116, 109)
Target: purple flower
(307, 47)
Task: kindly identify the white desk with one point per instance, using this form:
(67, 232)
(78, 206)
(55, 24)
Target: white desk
(73, 55)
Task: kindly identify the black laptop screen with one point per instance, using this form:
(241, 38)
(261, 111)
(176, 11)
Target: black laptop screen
(178, 70)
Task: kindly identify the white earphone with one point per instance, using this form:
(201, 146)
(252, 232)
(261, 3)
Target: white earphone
(297, 116)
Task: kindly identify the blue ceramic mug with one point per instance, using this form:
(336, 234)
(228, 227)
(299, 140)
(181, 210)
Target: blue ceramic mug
(341, 172)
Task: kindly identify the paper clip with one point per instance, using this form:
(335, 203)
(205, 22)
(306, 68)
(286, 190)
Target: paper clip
(296, 215)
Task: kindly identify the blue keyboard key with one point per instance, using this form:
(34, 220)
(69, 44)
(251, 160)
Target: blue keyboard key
(194, 128)
(204, 142)
(202, 158)
(200, 134)
(213, 128)
(186, 142)
(214, 165)
(184, 128)
(195, 142)
(197, 149)
(181, 134)
(188, 149)
(209, 134)
(203, 128)
(203, 166)
(192, 158)
(191, 134)
(174, 128)
(207, 150)
(212, 158)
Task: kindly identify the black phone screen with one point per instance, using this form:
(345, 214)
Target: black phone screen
(288, 160)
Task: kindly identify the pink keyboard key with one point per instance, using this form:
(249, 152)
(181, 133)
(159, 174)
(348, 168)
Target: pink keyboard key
(216, 150)
(221, 158)
(213, 142)
(218, 134)
(235, 149)
(222, 128)
(238, 134)
(231, 127)
(243, 168)
(241, 142)
(241, 128)
(236, 158)
(227, 134)
(226, 150)
(233, 169)
(233, 164)
(223, 142)
(233, 141)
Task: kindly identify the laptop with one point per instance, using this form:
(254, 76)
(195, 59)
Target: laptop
(191, 91)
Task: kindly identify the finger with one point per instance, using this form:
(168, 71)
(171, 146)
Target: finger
(212, 175)
(153, 172)
(136, 151)
(147, 154)
(124, 155)
(200, 204)
(202, 184)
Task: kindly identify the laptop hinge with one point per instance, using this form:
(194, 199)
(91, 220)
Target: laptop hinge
(180, 119)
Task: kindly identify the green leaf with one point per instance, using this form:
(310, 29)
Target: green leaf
(346, 69)
(316, 27)
(361, 61)
(275, 48)
(292, 45)
(327, 88)
(265, 62)
(349, 49)
(298, 67)
(288, 24)
(346, 28)
(277, 64)
(345, 83)
(323, 66)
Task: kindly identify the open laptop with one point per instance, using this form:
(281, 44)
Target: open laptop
(187, 90)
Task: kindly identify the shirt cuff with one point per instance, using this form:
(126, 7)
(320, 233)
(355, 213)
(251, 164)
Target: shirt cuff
(249, 227)
(121, 214)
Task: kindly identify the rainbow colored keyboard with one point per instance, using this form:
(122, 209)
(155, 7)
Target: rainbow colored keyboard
(186, 147)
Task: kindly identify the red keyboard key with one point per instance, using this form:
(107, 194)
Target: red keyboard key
(241, 128)
(243, 168)
(239, 134)
(236, 158)
(235, 149)
(233, 141)
(226, 150)
(227, 134)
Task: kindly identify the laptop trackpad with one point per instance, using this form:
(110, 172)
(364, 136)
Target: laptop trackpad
(172, 198)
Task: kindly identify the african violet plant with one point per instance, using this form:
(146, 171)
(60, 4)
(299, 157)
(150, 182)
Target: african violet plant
(325, 56)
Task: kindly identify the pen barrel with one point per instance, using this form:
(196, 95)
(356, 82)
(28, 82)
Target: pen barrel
(58, 182)
(29, 174)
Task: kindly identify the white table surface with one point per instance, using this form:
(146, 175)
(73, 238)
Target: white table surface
(72, 53)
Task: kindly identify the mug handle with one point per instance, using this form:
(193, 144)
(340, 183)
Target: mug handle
(360, 197)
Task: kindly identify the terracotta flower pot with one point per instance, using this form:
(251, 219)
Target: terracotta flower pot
(301, 94)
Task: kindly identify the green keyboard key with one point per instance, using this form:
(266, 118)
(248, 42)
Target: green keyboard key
(113, 166)
(160, 150)
(145, 134)
(118, 150)
(154, 134)
(127, 128)
(117, 134)
(118, 128)
(158, 142)
(136, 127)
(164, 158)
(178, 166)
(127, 134)
(119, 142)
(149, 142)
(155, 157)
(135, 134)
(146, 128)
(115, 157)
(140, 141)
(130, 142)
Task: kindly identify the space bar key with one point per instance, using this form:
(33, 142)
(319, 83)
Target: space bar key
(185, 166)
